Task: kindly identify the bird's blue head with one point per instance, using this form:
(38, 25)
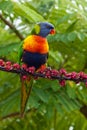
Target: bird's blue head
(44, 28)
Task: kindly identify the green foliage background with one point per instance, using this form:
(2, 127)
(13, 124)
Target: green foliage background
(50, 106)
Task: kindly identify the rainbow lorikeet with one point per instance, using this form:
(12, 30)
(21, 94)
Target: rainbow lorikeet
(34, 52)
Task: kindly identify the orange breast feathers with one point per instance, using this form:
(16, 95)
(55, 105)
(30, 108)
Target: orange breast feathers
(36, 44)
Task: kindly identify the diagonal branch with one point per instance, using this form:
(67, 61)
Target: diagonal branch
(11, 26)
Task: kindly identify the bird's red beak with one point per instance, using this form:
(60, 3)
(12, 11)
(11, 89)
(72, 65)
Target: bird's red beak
(52, 31)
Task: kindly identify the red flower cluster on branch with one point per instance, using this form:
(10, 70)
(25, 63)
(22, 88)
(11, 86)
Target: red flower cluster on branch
(61, 75)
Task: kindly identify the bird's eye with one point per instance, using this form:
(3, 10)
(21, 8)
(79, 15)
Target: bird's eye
(48, 27)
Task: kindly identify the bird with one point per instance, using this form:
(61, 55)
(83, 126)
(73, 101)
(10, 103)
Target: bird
(34, 52)
(35, 48)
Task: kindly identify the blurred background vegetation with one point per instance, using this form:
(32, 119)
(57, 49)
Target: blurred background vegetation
(50, 106)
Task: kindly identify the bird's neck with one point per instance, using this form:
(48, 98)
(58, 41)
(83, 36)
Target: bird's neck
(40, 39)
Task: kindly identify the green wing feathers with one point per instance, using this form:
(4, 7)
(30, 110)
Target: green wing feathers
(20, 52)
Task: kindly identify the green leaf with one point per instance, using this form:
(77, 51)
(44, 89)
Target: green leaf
(71, 26)
(42, 94)
(72, 36)
(6, 6)
(33, 102)
(50, 111)
(71, 92)
(64, 38)
(63, 19)
(59, 108)
(27, 12)
(4, 50)
(10, 103)
(7, 37)
(63, 102)
(81, 36)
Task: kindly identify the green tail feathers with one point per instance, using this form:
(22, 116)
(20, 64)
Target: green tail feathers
(25, 93)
